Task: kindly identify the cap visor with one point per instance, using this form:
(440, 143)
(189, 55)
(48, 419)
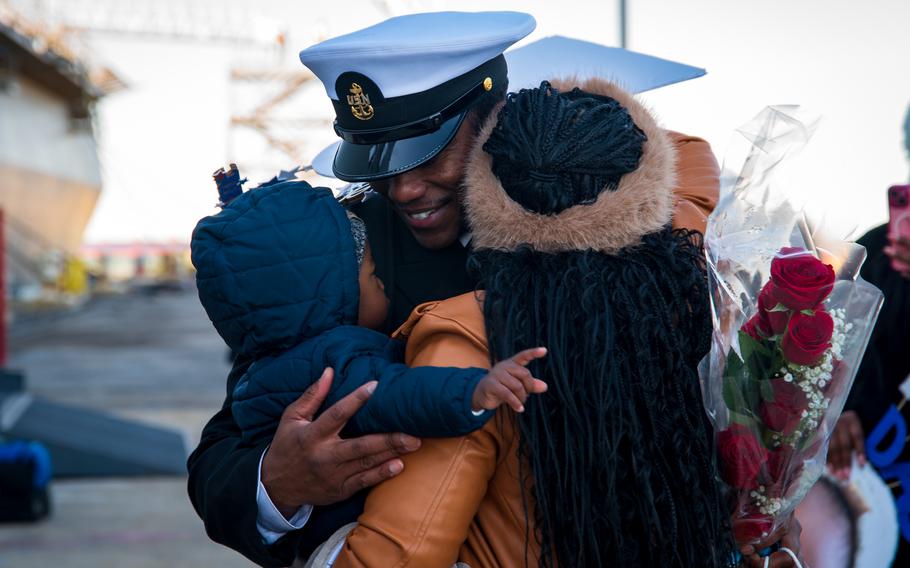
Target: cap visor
(366, 162)
(322, 163)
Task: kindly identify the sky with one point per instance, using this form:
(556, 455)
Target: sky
(160, 140)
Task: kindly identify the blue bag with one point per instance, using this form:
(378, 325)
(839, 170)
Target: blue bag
(25, 473)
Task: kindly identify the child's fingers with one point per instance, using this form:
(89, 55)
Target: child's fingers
(528, 355)
(513, 384)
(530, 383)
(519, 372)
(504, 394)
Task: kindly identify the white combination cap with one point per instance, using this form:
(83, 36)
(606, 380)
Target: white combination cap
(402, 88)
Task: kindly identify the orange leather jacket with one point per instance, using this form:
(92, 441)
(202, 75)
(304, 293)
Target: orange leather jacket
(697, 182)
(460, 498)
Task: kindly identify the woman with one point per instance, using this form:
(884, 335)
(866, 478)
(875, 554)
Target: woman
(569, 196)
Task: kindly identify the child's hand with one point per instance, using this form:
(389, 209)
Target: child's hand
(509, 382)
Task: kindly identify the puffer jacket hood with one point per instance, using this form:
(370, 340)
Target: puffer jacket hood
(277, 266)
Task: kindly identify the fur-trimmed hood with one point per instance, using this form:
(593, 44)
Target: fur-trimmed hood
(642, 202)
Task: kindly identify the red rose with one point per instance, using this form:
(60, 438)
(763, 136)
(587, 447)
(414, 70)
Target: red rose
(800, 281)
(757, 328)
(741, 457)
(784, 412)
(752, 528)
(776, 322)
(782, 467)
(807, 337)
(778, 462)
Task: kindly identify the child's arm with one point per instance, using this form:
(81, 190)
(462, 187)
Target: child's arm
(423, 402)
(273, 382)
(428, 401)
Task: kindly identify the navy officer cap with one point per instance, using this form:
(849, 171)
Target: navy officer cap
(402, 88)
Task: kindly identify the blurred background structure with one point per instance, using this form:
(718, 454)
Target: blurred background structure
(48, 152)
(114, 114)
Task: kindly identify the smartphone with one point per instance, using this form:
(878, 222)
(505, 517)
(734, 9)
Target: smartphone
(899, 224)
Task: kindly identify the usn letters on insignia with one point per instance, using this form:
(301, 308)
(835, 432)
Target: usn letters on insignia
(360, 103)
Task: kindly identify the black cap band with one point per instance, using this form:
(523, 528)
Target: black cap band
(364, 116)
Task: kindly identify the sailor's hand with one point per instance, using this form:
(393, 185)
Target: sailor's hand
(309, 464)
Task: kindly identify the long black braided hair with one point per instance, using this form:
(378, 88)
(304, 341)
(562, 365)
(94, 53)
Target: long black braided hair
(618, 451)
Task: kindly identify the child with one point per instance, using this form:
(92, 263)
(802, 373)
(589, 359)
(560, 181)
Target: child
(285, 274)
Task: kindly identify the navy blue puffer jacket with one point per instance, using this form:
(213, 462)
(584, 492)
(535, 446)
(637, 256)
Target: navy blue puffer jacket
(277, 275)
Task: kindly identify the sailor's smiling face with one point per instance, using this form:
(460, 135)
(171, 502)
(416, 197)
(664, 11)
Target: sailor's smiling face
(428, 198)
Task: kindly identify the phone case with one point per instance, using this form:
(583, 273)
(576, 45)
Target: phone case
(899, 224)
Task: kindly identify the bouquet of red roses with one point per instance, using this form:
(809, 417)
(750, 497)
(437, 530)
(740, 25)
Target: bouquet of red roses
(791, 321)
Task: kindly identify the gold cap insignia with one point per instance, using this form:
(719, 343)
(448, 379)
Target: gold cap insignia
(487, 84)
(360, 103)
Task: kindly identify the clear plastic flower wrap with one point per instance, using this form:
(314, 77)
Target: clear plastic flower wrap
(791, 321)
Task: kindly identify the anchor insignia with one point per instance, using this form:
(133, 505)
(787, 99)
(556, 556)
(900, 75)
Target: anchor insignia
(360, 103)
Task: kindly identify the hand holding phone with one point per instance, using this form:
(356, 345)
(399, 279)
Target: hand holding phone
(899, 224)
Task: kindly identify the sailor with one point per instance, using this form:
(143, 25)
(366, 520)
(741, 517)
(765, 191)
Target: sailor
(409, 94)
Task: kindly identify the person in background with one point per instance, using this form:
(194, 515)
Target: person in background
(874, 425)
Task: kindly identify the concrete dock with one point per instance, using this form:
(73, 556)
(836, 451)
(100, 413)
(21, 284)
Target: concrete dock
(148, 356)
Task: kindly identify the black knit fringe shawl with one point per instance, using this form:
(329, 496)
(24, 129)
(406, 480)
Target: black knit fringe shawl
(619, 448)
